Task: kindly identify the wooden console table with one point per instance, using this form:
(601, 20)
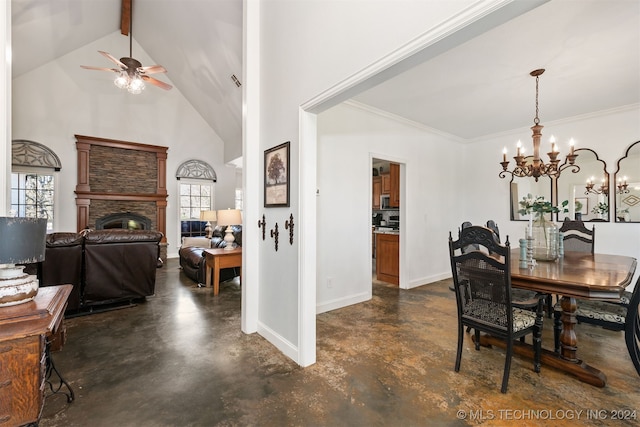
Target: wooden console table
(217, 259)
(27, 332)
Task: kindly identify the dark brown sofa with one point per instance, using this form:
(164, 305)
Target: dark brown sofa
(119, 265)
(104, 266)
(192, 259)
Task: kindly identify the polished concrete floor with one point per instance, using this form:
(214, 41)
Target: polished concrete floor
(180, 359)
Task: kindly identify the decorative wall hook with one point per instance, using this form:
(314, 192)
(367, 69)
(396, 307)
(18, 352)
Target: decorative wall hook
(262, 224)
(275, 235)
(289, 224)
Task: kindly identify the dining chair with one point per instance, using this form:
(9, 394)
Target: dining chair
(577, 237)
(612, 316)
(522, 294)
(482, 285)
(632, 327)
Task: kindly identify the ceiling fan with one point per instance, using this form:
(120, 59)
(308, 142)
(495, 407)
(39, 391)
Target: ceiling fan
(131, 74)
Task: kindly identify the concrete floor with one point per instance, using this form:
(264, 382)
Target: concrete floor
(180, 359)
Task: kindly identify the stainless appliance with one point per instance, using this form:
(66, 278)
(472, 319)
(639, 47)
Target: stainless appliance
(394, 222)
(384, 201)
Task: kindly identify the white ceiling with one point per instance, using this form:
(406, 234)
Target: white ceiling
(590, 49)
(198, 42)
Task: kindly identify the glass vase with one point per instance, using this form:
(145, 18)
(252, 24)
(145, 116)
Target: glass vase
(545, 240)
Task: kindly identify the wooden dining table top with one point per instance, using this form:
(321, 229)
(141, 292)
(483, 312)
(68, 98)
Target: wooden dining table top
(576, 274)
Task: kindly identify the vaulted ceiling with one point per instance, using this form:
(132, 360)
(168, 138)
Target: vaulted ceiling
(590, 49)
(198, 42)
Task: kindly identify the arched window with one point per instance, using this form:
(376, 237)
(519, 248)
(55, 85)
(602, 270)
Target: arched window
(33, 183)
(196, 187)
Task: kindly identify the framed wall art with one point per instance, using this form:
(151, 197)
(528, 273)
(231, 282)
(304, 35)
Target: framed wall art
(276, 176)
(582, 205)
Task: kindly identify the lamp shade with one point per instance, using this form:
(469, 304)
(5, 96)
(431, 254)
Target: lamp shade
(229, 217)
(208, 216)
(22, 240)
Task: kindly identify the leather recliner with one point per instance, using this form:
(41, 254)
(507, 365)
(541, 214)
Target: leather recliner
(120, 264)
(192, 258)
(104, 266)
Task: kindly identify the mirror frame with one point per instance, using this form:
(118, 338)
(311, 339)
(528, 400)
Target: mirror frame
(514, 204)
(615, 185)
(607, 175)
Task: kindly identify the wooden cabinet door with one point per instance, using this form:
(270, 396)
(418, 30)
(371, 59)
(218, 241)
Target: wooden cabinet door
(377, 191)
(388, 258)
(386, 184)
(394, 184)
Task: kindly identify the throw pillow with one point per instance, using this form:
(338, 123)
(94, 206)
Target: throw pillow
(196, 242)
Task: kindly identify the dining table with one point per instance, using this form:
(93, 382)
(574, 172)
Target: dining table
(573, 277)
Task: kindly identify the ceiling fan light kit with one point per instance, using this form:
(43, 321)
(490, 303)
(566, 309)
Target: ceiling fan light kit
(131, 74)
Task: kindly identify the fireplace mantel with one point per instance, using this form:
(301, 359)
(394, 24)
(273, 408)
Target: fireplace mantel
(120, 176)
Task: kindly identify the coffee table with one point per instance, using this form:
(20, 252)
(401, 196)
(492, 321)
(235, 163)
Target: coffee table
(217, 259)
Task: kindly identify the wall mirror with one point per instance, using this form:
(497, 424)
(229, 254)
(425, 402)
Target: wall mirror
(627, 186)
(520, 187)
(588, 188)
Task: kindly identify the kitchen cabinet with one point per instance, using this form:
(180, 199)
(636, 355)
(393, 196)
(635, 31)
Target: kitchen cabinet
(388, 258)
(377, 191)
(394, 185)
(386, 183)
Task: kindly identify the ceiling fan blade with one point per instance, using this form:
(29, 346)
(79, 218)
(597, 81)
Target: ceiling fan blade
(152, 69)
(89, 67)
(156, 82)
(113, 59)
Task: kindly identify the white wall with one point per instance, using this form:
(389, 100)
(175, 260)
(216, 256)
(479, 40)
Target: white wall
(306, 48)
(58, 100)
(447, 183)
(347, 139)
(5, 106)
(608, 134)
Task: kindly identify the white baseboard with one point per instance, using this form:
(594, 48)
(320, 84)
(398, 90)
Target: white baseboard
(343, 302)
(279, 342)
(429, 279)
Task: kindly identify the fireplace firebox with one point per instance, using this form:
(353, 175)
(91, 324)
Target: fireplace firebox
(126, 220)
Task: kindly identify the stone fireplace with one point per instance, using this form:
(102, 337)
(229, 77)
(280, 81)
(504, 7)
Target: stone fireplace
(121, 181)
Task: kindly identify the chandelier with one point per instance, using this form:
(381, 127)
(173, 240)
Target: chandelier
(604, 187)
(622, 185)
(535, 167)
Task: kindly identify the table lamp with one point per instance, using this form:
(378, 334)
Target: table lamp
(209, 216)
(22, 241)
(229, 217)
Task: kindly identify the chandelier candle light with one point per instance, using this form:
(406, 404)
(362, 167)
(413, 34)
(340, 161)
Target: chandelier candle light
(537, 168)
(604, 187)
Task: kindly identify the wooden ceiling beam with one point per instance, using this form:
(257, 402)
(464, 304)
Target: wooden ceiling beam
(125, 19)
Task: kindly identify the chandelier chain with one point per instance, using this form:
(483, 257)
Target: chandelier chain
(536, 120)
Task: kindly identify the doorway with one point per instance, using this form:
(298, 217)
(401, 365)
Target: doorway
(385, 220)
